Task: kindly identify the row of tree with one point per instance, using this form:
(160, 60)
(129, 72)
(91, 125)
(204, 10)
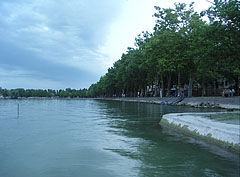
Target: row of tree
(183, 50)
(20, 92)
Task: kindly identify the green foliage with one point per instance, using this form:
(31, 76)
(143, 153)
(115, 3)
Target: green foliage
(22, 93)
(224, 18)
(182, 44)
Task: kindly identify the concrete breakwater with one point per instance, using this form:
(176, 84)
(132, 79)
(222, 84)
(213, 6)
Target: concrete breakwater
(221, 133)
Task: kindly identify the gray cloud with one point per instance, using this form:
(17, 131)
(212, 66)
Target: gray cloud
(18, 63)
(55, 40)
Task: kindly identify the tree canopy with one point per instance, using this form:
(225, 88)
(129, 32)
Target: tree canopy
(183, 50)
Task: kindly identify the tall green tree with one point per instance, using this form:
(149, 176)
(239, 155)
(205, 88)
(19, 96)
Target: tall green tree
(224, 16)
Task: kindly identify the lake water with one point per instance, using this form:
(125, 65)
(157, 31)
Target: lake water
(71, 138)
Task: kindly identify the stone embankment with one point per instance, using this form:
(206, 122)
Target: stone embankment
(214, 102)
(220, 102)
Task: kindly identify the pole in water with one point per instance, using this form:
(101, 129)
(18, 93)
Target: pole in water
(18, 109)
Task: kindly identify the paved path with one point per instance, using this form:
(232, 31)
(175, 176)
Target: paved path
(227, 135)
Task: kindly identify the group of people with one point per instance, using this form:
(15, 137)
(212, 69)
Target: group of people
(183, 92)
(228, 92)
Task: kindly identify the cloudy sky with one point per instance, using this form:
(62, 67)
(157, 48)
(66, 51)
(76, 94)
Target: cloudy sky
(69, 43)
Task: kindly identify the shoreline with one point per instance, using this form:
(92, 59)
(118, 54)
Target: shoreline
(231, 103)
(224, 135)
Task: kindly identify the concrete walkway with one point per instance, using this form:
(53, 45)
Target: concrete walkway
(196, 123)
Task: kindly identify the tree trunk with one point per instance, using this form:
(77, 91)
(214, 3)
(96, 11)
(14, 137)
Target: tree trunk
(146, 91)
(217, 90)
(179, 83)
(156, 88)
(169, 84)
(152, 90)
(131, 93)
(203, 88)
(237, 91)
(190, 85)
(162, 86)
(214, 88)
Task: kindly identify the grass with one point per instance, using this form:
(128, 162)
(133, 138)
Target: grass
(224, 116)
(232, 118)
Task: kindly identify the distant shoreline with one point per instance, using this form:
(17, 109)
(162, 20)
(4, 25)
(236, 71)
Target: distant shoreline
(231, 103)
(42, 98)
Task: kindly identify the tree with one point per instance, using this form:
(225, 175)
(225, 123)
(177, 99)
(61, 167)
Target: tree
(224, 16)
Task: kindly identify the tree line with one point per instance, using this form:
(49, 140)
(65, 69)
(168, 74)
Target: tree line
(183, 49)
(26, 93)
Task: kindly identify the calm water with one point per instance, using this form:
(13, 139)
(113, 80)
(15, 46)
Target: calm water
(70, 138)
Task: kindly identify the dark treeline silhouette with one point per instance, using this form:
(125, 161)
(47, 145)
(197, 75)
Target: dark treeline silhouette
(22, 93)
(183, 53)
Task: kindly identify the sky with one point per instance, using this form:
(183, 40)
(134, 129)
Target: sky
(61, 44)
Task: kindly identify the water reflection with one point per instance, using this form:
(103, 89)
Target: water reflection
(161, 151)
(100, 138)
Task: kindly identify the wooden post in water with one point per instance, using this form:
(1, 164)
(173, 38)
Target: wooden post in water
(18, 109)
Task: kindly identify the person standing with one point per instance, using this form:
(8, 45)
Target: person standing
(233, 92)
